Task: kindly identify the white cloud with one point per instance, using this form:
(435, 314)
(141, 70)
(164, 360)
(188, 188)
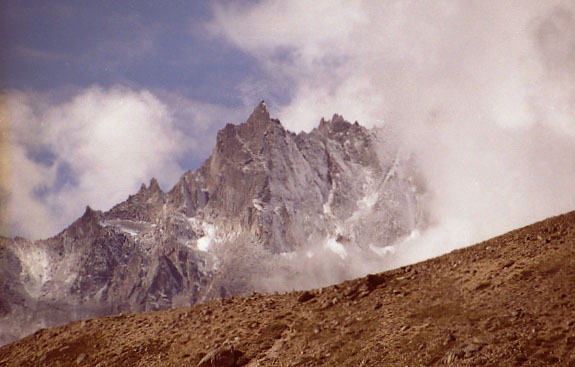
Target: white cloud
(199, 121)
(29, 215)
(94, 149)
(483, 92)
(273, 27)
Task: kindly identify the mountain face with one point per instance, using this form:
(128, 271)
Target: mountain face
(264, 194)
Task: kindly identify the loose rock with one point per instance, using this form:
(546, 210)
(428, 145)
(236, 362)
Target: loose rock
(305, 296)
(224, 356)
(81, 358)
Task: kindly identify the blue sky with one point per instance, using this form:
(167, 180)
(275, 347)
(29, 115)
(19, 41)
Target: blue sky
(59, 47)
(104, 95)
(156, 44)
(61, 58)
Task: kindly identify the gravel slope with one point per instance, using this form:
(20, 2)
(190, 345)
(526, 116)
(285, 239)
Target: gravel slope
(509, 301)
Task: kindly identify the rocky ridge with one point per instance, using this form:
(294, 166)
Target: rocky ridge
(264, 192)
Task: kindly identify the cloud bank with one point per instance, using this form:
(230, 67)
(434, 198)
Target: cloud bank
(482, 93)
(94, 149)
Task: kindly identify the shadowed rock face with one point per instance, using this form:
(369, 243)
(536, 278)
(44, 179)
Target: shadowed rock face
(264, 191)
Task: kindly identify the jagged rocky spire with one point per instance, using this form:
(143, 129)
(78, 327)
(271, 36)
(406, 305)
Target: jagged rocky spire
(260, 117)
(262, 108)
(154, 185)
(262, 192)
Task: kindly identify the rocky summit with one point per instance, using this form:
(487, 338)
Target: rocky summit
(508, 301)
(264, 195)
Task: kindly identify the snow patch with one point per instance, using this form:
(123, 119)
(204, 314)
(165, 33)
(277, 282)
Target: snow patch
(36, 268)
(327, 205)
(371, 191)
(203, 243)
(382, 251)
(210, 234)
(100, 292)
(36, 262)
(414, 235)
(258, 204)
(131, 227)
(129, 231)
(209, 230)
(195, 224)
(336, 247)
(369, 200)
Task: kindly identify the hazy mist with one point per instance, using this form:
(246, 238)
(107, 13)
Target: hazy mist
(480, 93)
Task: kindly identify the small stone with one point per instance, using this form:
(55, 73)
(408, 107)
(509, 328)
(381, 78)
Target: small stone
(449, 339)
(377, 306)
(480, 340)
(224, 356)
(482, 286)
(453, 355)
(305, 296)
(81, 358)
(470, 349)
(450, 357)
(508, 264)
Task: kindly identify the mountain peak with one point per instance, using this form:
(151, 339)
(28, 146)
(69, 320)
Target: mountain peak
(251, 133)
(337, 124)
(90, 218)
(262, 107)
(260, 114)
(264, 191)
(154, 185)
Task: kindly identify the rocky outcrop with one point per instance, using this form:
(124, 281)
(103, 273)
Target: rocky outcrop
(263, 192)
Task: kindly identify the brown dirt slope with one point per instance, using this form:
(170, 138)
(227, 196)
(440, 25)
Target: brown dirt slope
(509, 301)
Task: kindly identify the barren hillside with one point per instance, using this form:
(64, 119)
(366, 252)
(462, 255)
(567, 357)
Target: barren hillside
(509, 301)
